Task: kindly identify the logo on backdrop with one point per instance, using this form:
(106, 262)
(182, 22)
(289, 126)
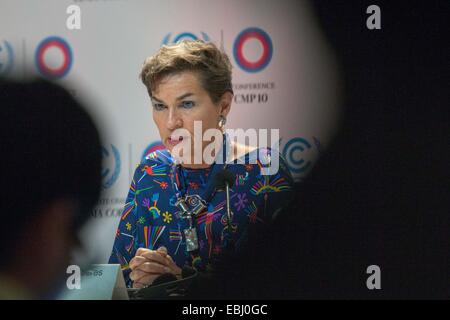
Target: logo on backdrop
(297, 155)
(152, 147)
(54, 47)
(169, 39)
(249, 56)
(6, 58)
(111, 166)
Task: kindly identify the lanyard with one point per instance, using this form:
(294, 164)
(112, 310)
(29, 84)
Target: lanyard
(191, 205)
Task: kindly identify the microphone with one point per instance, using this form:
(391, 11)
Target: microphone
(164, 278)
(225, 180)
(167, 286)
(170, 277)
(187, 272)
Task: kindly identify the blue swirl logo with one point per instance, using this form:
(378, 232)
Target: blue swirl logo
(293, 152)
(6, 58)
(111, 166)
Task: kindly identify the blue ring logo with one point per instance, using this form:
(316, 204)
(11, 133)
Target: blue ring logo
(184, 35)
(296, 145)
(7, 62)
(64, 47)
(110, 173)
(238, 49)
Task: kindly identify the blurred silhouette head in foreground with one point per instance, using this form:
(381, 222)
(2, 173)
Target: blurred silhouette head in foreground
(50, 179)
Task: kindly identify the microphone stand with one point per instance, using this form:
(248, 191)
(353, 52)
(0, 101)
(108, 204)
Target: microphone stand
(227, 190)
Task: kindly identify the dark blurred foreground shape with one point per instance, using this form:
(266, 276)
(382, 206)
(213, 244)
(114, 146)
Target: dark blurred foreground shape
(50, 179)
(380, 193)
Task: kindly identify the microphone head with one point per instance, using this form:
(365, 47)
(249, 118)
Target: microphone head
(187, 272)
(165, 277)
(224, 177)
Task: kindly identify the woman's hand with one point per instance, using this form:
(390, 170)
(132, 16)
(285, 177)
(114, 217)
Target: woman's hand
(148, 264)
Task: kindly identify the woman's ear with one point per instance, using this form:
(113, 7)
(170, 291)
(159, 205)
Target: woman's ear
(225, 103)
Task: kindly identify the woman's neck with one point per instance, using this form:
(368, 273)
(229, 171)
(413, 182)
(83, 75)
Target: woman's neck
(237, 151)
(196, 166)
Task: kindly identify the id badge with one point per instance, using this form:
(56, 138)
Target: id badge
(191, 239)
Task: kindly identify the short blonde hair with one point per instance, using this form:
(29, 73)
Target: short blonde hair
(212, 65)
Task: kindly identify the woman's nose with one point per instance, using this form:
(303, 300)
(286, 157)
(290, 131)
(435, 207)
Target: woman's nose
(174, 120)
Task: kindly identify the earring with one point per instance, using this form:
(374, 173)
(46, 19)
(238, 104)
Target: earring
(222, 121)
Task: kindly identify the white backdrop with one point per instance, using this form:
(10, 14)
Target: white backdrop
(284, 75)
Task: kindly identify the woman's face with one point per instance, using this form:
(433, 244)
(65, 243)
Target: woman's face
(178, 100)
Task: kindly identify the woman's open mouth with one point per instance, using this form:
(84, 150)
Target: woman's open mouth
(173, 141)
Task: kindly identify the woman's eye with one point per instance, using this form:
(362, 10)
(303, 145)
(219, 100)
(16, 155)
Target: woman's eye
(188, 104)
(158, 106)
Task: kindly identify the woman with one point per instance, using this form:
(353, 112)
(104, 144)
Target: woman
(175, 213)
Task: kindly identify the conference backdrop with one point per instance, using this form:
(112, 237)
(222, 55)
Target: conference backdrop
(284, 75)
